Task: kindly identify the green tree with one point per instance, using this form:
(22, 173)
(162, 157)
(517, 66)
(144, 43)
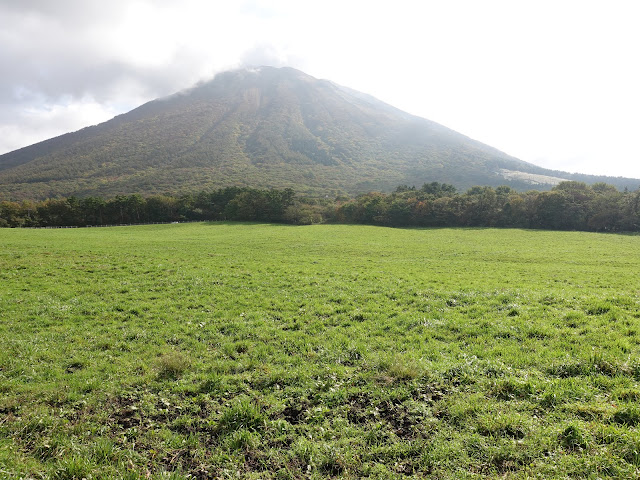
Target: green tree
(480, 207)
(606, 212)
(94, 209)
(438, 189)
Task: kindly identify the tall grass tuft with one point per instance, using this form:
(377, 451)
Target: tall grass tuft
(171, 365)
(244, 414)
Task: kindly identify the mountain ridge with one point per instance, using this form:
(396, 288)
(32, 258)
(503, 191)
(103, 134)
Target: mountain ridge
(267, 128)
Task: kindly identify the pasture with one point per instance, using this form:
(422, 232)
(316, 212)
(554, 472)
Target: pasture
(217, 350)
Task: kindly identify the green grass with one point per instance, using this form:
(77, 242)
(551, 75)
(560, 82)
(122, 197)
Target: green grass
(263, 351)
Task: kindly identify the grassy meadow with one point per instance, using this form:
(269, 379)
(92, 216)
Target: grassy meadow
(277, 352)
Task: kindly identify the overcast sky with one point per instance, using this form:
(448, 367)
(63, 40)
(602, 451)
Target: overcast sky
(552, 82)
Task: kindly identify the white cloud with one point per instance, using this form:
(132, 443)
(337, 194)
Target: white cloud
(47, 121)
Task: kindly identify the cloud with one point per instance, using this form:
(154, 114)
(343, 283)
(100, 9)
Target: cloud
(74, 63)
(266, 54)
(21, 127)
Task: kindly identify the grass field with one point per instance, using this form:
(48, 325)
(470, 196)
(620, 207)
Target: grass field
(264, 351)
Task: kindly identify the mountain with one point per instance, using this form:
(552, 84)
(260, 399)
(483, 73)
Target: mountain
(264, 127)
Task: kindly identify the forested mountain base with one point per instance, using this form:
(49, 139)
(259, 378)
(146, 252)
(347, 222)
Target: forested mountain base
(569, 206)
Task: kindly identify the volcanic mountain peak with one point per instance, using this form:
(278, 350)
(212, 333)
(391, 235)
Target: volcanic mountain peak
(261, 127)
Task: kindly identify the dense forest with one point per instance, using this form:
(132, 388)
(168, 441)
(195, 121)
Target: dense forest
(569, 206)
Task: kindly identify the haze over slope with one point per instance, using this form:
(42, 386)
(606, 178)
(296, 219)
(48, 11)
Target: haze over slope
(267, 127)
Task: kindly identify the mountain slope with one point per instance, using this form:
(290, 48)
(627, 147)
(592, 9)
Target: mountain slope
(266, 127)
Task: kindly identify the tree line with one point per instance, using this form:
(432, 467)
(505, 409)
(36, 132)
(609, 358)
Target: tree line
(233, 203)
(568, 206)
